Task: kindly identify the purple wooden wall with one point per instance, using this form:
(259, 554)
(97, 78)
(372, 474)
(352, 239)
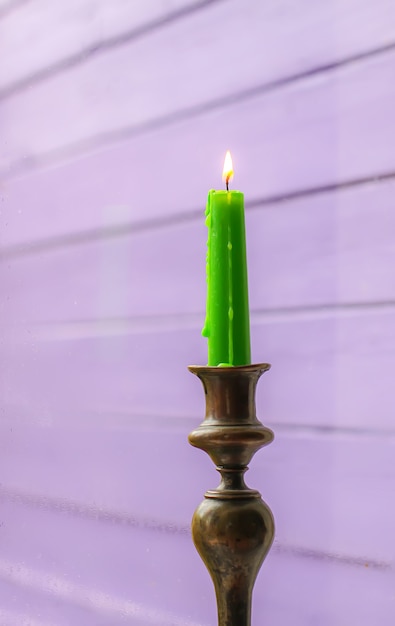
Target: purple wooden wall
(114, 119)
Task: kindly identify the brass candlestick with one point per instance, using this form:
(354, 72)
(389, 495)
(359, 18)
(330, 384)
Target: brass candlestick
(232, 528)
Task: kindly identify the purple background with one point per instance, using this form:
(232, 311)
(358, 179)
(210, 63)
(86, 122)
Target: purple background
(114, 120)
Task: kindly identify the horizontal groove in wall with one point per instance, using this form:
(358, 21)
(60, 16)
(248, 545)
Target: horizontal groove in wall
(320, 311)
(90, 512)
(11, 6)
(99, 514)
(115, 327)
(129, 422)
(96, 234)
(128, 37)
(100, 47)
(131, 228)
(97, 142)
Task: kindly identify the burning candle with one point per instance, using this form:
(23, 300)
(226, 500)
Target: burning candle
(227, 324)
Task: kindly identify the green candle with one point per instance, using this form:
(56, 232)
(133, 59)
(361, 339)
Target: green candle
(227, 325)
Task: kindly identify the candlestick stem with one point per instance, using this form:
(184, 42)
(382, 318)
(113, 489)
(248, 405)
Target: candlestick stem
(232, 528)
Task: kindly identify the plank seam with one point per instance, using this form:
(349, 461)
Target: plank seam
(28, 164)
(71, 330)
(100, 47)
(12, 6)
(131, 228)
(99, 514)
(137, 423)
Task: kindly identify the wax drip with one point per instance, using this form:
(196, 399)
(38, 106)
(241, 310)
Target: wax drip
(230, 299)
(206, 327)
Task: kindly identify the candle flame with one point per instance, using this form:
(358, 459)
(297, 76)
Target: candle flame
(227, 173)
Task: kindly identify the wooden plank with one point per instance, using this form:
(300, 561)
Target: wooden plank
(77, 111)
(146, 577)
(319, 378)
(109, 582)
(334, 475)
(45, 34)
(278, 600)
(8, 6)
(331, 249)
(331, 119)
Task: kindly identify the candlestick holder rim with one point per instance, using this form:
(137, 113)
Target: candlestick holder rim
(233, 369)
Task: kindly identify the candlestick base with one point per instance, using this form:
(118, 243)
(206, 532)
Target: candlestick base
(232, 528)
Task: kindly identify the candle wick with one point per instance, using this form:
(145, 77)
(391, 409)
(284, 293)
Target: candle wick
(227, 184)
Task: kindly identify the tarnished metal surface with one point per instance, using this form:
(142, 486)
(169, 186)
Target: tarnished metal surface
(233, 528)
